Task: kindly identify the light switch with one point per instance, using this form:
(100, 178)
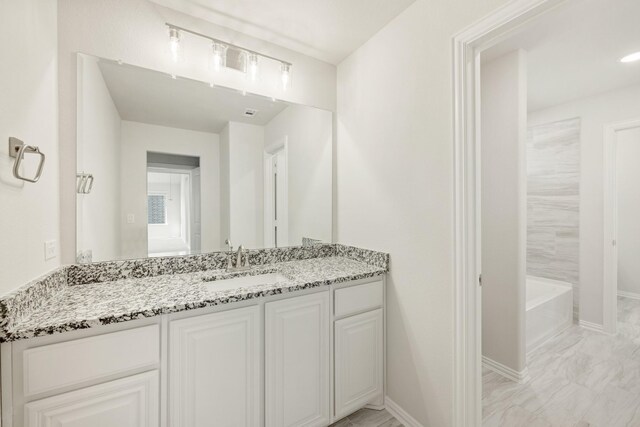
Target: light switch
(50, 250)
(131, 218)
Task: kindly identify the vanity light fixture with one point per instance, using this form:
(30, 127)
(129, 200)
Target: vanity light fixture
(219, 55)
(174, 44)
(219, 51)
(632, 57)
(252, 66)
(285, 75)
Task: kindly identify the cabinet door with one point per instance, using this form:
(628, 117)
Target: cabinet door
(359, 368)
(297, 361)
(128, 402)
(214, 369)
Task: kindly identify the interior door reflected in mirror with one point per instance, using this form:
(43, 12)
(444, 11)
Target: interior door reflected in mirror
(180, 166)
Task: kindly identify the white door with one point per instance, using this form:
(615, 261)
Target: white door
(196, 214)
(214, 369)
(358, 361)
(297, 361)
(276, 198)
(128, 402)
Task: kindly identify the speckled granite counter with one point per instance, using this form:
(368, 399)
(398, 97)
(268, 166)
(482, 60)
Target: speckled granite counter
(116, 292)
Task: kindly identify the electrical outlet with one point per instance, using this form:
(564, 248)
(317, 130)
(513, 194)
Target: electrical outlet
(50, 250)
(131, 218)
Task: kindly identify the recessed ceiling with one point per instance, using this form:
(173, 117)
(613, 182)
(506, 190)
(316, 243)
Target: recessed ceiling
(147, 96)
(328, 30)
(573, 51)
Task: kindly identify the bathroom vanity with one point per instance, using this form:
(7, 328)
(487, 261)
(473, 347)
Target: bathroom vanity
(296, 340)
(159, 322)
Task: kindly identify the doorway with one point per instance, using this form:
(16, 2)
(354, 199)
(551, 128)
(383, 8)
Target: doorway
(174, 225)
(622, 208)
(468, 46)
(276, 195)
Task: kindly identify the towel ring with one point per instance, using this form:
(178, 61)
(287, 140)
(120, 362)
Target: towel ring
(17, 150)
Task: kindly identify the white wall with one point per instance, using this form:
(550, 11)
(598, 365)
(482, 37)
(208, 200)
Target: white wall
(504, 208)
(137, 139)
(246, 185)
(594, 113)
(98, 154)
(28, 111)
(395, 189)
(309, 134)
(134, 31)
(628, 183)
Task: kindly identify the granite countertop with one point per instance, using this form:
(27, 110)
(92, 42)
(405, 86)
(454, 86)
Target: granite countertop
(84, 306)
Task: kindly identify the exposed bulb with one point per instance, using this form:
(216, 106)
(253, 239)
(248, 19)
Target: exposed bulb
(633, 57)
(219, 56)
(285, 70)
(252, 66)
(174, 44)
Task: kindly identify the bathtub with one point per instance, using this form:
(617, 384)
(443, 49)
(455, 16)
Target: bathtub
(549, 309)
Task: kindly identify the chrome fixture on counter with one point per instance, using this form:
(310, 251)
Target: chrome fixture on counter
(17, 150)
(240, 255)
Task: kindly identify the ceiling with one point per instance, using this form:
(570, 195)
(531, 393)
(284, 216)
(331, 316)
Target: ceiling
(328, 30)
(573, 51)
(147, 96)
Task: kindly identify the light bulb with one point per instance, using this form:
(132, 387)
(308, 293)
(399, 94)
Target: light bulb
(219, 56)
(631, 57)
(285, 70)
(252, 66)
(174, 44)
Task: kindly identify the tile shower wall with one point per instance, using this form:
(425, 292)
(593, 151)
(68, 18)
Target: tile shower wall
(553, 200)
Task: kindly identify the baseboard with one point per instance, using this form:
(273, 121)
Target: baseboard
(400, 414)
(519, 377)
(591, 326)
(631, 295)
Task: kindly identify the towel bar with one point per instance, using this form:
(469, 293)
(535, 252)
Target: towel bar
(84, 183)
(17, 150)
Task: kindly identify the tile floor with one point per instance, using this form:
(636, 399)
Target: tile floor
(368, 418)
(580, 378)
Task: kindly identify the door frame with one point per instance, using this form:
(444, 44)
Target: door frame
(467, 46)
(610, 226)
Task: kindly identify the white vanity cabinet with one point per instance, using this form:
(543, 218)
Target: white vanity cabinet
(358, 361)
(297, 337)
(358, 347)
(214, 369)
(127, 402)
(305, 358)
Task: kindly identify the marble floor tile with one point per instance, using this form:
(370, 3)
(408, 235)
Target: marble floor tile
(368, 418)
(580, 378)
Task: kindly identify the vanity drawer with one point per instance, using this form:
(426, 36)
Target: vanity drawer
(358, 298)
(65, 364)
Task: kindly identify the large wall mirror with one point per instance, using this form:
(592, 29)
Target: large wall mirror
(172, 166)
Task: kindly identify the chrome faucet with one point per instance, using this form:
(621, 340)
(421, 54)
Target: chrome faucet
(239, 255)
(240, 265)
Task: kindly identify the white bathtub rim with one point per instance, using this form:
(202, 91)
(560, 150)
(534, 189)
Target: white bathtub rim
(550, 281)
(561, 288)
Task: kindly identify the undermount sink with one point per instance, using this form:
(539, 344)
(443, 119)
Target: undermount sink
(245, 281)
